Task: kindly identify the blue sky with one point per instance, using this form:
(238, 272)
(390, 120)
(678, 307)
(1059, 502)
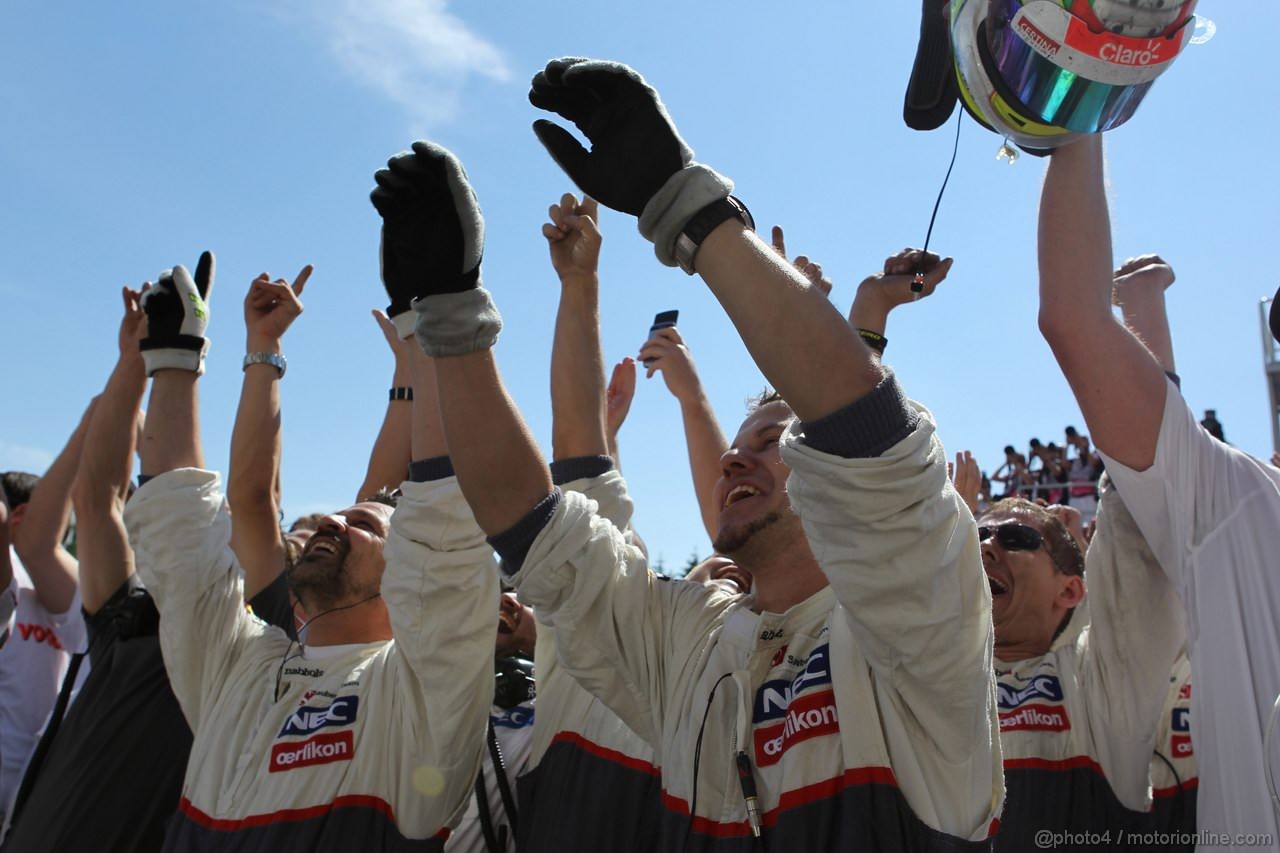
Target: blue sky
(135, 136)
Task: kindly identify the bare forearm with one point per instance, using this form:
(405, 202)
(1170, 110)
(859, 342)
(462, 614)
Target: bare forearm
(171, 439)
(1119, 387)
(427, 439)
(1145, 316)
(706, 445)
(255, 439)
(49, 509)
(499, 468)
(38, 540)
(252, 484)
(106, 561)
(577, 375)
(787, 324)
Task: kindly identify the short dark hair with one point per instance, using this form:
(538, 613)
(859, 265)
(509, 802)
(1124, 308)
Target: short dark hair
(307, 522)
(18, 487)
(391, 499)
(764, 398)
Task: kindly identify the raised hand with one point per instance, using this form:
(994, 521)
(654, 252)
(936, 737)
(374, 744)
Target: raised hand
(619, 394)
(177, 316)
(666, 353)
(270, 307)
(635, 147)
(132, 325)
(432, 228)
(401, 348)
(574, 238)
(810, 270)
(1143, 273)
(967, 478)
(879, 294)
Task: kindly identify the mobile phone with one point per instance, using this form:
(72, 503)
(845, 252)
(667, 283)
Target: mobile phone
(661, 320)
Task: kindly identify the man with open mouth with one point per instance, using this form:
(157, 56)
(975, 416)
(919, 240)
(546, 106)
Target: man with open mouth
(1080, 689)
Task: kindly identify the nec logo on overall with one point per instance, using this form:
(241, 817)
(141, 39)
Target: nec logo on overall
(800, 717)
(519, 717)
(1041, 687)
(774, 697)
(1180, 742)
(305, 720)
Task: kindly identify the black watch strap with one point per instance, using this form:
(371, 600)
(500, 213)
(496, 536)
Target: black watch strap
(703, 223)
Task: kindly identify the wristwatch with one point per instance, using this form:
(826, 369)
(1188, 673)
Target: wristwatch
(275, 359)
(703, 223)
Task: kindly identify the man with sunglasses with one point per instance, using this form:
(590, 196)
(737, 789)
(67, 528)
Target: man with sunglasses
(1080, 692)
(1210, 511)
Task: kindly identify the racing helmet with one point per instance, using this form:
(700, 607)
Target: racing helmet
(1045, 72)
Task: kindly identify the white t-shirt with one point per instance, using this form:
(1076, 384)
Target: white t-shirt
(1212, 516)
(32, 664)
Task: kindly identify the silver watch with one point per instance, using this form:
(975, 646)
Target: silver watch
(275, 359)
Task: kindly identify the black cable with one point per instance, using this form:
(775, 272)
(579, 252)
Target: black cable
(302, 643)
(500, 770)
(917, 286)
(697, 755)
(491, 841)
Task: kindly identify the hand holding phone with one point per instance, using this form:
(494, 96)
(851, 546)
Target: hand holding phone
(662, 320)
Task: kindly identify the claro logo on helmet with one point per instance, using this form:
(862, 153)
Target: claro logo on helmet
(1036, 37)
(1121, 55)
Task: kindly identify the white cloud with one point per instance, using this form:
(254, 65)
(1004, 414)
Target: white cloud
(17, 457)
(414, 52)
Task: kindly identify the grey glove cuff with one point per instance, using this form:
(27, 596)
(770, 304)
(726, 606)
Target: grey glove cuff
(175, 358)
(457, 323)
(683, 195)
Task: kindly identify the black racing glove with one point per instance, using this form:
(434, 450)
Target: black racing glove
(635, 147)
(432, 229)
(638, 163)
(177, 315)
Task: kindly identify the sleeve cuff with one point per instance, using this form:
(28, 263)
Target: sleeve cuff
(1174, 378)
(580, 468)
(867, 427)
(514, 543)
(426, 470)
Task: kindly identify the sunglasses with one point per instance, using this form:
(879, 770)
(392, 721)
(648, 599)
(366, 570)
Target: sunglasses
(1013, 536)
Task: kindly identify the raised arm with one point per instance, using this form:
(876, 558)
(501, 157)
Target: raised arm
(667, 354)
(253, 482)
(432, 243)
(1120, 388)
(617, 403)
(389, 460)
(38, 537)
(638, 164)
(173, 349)
(577, 367)
(106, 467)
(1138, 288)
(879, 294)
